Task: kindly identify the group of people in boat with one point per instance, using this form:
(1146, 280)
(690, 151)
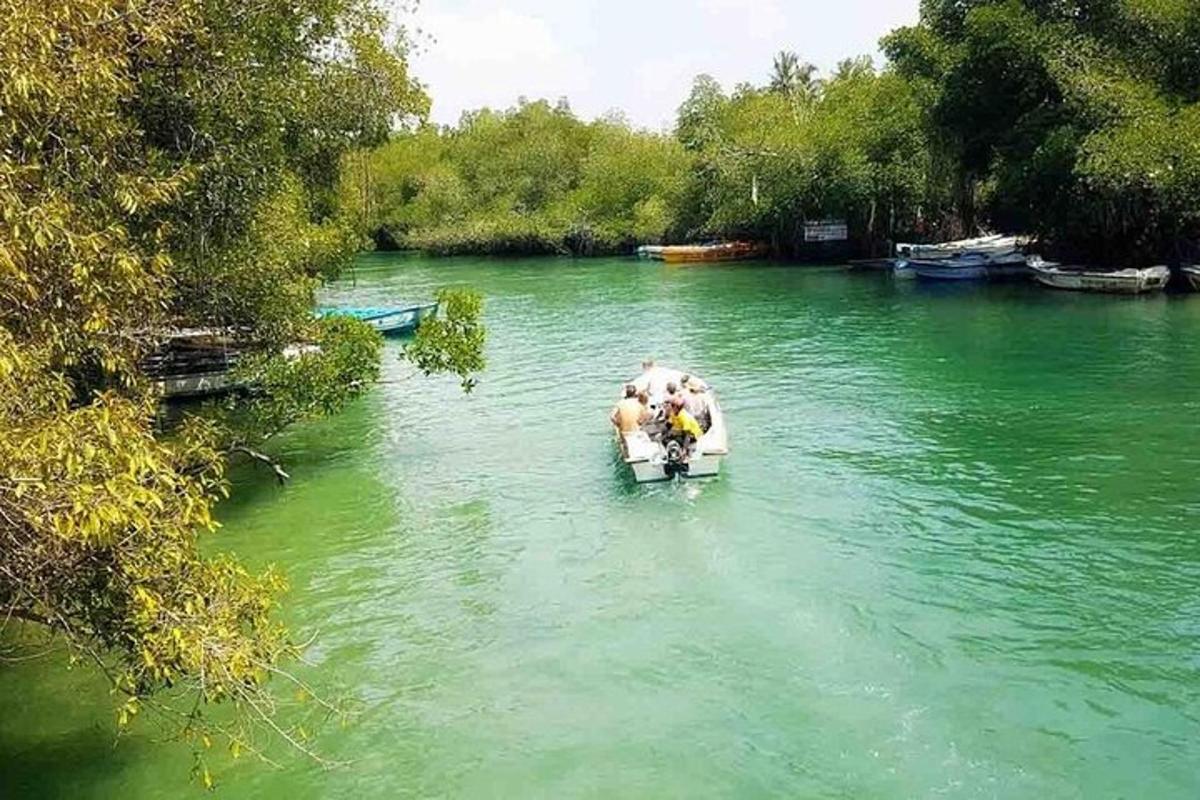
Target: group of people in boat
(668, 406)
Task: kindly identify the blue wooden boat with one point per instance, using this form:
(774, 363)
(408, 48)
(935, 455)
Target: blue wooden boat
(952, 269)
(390, 321)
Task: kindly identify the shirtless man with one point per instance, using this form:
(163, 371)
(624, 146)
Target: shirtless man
(629, 414)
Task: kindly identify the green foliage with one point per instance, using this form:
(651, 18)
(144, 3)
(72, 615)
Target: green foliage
(304, 382)
(1073, 120)
(452, 342)
(852, 146)
(794, 79)
(534, 179)
(165, 165)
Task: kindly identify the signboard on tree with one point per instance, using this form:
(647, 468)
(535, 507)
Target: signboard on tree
(826, 230)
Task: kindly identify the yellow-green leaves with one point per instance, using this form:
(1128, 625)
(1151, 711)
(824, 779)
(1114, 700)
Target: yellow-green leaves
(164, 164)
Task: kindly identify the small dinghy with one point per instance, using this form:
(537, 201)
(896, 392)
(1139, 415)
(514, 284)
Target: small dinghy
(655, 457)
(391, 321)
(1081, 279)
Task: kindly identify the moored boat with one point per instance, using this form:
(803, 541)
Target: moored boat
(706, 253)
(1191, 276)
(995, 247)
(650, 458)
(390, 321)
(651, 252)
(969, 267)
(1082, 279)
(950, 270)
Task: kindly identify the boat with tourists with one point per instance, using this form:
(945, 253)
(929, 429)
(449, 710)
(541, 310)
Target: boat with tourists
(390, 321)
(1083, 279)
(707, 253)
(664, 444)
(1191, 276)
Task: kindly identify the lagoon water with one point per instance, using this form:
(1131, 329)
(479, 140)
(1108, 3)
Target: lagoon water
(955, 553)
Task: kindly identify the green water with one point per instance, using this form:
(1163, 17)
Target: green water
(954, 554)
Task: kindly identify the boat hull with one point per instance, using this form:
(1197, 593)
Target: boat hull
(705, 254)
(387, 321)
(938, 271)
(699, 467)
(1130, 281)
(402, 322)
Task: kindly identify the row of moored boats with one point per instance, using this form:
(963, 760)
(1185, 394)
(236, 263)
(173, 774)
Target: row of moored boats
(1006, 257)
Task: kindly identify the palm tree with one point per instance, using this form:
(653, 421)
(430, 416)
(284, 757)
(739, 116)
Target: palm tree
(792, 77)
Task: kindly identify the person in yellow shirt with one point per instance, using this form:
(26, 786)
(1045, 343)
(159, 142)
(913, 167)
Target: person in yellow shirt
(630, 414)
(683, 426)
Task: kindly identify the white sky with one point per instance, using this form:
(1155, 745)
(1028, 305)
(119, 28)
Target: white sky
(636, 56)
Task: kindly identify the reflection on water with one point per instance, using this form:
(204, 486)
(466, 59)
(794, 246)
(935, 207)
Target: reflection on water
(953, 553)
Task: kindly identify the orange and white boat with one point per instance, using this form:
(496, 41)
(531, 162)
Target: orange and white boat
(709, 253)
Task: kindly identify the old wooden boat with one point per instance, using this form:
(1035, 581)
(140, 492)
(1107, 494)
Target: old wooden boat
(1191, 276)
(650, 458)
(709, 253)
(390, 321)
(1082, 279)
(193, 362)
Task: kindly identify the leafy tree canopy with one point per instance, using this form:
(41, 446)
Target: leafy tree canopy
(169, 165)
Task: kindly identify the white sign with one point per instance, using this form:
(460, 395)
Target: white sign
(826, 230)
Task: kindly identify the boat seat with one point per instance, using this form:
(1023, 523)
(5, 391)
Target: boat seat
(639, 446)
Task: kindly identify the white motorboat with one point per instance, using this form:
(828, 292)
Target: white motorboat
(994, 248)
(1080, 279)
(653, 460)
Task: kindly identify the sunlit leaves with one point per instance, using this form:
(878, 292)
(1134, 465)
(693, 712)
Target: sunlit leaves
(168, 164)
(452, 342)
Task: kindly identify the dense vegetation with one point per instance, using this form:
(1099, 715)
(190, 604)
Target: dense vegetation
(1075, 121)
(534, 179)
(170, 165)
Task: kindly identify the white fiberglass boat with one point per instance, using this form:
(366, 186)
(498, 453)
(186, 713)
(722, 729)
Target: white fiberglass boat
(993, 248)
(652, 459)
(1081, 279)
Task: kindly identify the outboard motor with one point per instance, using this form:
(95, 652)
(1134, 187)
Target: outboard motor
(676, 460)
